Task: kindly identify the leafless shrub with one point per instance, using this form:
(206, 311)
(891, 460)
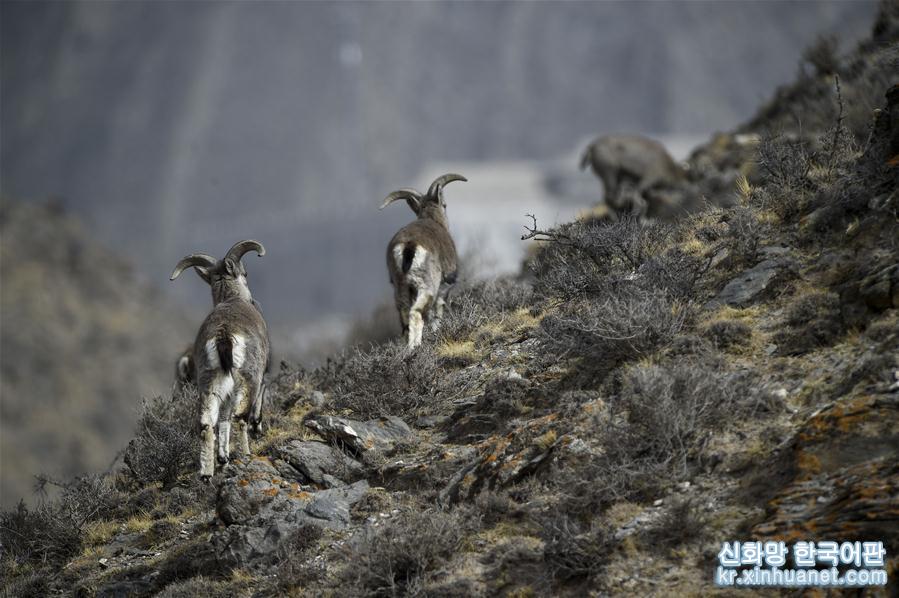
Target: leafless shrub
(785, 162)
(495, 507)
(623, 326)
(393, 559)
(586, 258)
(656, 427)
(726, 334)
(682, 523)
(573, 550)
(294, 568)
(668, 409)
(822, 55)
(46, 534)
(474, 304)
(385, 380)
(813, 321)
(167, 444)
(744, 237)
(20, 581)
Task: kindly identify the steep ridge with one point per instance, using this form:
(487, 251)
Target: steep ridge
(644, 392)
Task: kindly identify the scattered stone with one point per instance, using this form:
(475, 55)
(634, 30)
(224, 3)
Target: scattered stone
(359, 437)
(320, 463)
(513, 375)
(430, 421)
(757, 282)
(317, 399)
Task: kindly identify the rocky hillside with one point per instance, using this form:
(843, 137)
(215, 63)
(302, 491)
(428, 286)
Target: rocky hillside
(645, 392)
(81, 339)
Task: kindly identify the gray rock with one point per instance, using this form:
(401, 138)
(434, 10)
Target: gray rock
(333, 506)
(757, 282)
(359, 437)
(430, 421)
(320, 463)
(241, 545)
(244, 488)
(261, 510)
(289, 472)
(317, 399)
(257, 495)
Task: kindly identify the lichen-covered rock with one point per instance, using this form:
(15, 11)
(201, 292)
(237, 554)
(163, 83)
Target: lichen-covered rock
(846, 484)
(320, 463)
(260, 509)
(359, 437)
(503, 460)
(253, 494)
(426, 468)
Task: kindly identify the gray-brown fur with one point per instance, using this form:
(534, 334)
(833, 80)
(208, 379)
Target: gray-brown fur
(421, 259)
(184, 372)
(185, 375)
(231, 352)
(630, 166)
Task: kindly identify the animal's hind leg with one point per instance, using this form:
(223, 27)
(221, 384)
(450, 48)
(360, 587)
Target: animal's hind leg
(402, 302)
(208, 419)
(416, 318)
(242, 410)
(225, 429)
(436, 314)
(256, 407)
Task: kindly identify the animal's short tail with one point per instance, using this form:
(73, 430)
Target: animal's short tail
(224, 346)
(408, 256)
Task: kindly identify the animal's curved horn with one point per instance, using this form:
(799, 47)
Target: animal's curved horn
(241, 247)
(189, 261)
(406, 193)
(586, 156)
(440, 181)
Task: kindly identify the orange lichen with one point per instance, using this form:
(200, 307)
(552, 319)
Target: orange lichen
(808, 463)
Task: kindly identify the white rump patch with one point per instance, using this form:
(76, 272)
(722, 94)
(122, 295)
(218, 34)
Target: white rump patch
(212, 355)
(418, 260)
(398, 256)
(239, 351)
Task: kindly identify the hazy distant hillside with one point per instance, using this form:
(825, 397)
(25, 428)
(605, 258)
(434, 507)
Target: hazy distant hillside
(175, 127)
(598, 427)
(81, 341)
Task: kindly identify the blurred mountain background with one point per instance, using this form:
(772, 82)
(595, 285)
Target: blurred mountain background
(169, 128)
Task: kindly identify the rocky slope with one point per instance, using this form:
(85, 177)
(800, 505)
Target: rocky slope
(599, 426)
